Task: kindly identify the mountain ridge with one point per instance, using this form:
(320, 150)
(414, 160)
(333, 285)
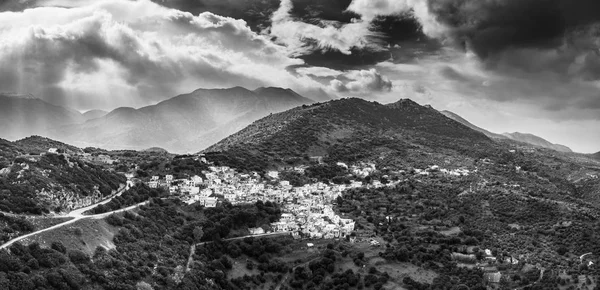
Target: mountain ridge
(537, 141)
(463, 121)
(94, 114)
(516, 136)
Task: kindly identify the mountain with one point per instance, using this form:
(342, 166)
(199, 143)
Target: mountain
(346, 130)
(94, 114)
(22, 116)
(461, 120)
(184, 123)
(537, 141)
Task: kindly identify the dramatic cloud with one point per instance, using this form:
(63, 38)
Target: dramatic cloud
(363, 81)
(419, 9)
(490, 26)
(332, 35)
(131, 53)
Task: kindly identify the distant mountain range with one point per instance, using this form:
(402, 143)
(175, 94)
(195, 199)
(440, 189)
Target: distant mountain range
(94, 114)
(23, 116)
(537, 141)
(185, 123)
(516, 136)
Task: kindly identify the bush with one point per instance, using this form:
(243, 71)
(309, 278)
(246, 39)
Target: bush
(78, 257)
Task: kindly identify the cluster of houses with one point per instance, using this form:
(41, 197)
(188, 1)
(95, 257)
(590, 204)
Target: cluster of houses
(308, 211)
(435, 168)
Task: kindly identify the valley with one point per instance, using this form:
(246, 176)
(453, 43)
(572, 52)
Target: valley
(340, 195)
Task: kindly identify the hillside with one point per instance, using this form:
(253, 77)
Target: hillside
(38, 144)
(33, 181)
(22, 116)
(347, 130)
(185, 123)
(461, 120)
(519, 137)
(536, 141)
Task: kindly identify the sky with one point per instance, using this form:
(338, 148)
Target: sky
(505, 65)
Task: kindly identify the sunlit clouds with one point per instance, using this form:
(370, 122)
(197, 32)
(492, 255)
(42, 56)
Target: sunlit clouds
(130, 53)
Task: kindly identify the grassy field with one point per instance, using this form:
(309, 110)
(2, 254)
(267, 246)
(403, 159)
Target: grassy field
(85, 235)
(41, 223)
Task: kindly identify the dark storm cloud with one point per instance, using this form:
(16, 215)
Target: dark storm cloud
(389, 30)
(15, 5)
(89, 56)
(258, 12)
(491, 26)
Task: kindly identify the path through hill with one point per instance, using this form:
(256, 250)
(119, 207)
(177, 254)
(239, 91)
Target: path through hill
(76, 217)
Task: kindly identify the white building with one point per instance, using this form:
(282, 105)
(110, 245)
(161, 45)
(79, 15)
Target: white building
(273, 174)
(256, 231)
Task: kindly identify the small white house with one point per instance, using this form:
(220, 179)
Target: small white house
(273, 174)
(210, 202)
(256, 231)
(53, 150)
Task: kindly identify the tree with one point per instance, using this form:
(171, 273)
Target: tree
(58, 246)
(198, 234)
(78, 257)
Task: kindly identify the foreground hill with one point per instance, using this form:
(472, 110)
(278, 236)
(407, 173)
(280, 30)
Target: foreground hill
(22, 116)
(34, 181)
(536, 141)
(184, 123)
(348, 130)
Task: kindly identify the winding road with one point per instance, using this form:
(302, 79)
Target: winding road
(77, 215)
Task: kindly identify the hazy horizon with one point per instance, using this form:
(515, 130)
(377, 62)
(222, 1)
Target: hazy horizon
(527, 66)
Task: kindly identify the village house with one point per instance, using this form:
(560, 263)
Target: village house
(256, 231)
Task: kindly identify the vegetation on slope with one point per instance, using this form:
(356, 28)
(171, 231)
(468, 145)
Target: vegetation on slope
(344, 130)
(153, 247)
